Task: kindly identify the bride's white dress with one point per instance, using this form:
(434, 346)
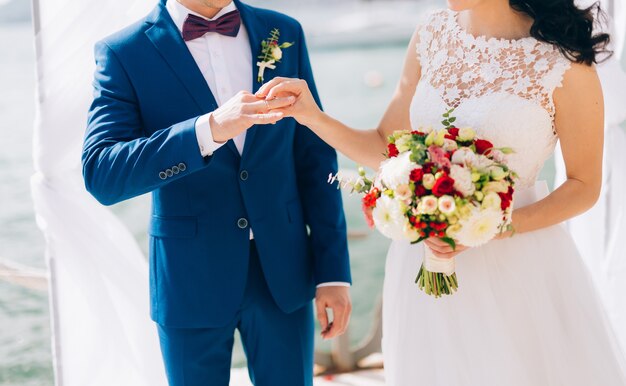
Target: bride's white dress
(527, 312)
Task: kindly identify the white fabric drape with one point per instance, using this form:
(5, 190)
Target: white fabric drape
(599, 232)
(102, 334)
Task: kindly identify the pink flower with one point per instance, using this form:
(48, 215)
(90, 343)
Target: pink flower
(439, 156)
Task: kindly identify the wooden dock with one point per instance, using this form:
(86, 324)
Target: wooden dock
(239, 377)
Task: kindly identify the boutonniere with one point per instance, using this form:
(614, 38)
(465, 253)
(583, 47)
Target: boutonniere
(271, 53)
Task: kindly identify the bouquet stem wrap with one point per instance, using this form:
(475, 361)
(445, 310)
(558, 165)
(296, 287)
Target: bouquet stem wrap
(437, 276)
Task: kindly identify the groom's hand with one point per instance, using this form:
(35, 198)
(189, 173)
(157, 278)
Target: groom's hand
(242, 111)
(337, 299)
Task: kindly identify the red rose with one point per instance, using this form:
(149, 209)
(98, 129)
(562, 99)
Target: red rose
(453, 133)
(506, 198)
(428, 167)
(417, 174)
(369, 200)
(482, 146)
(444, 185)
(420, 190)
(392, 150)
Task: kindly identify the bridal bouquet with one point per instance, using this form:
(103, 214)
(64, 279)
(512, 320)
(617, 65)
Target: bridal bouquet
(443, 183)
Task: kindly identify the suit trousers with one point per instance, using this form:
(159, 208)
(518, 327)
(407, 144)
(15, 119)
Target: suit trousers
(278, 346)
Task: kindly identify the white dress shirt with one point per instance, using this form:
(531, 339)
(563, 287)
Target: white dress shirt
(226, 64)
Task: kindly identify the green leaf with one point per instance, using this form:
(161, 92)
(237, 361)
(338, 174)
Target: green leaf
(286, 45)
(449, 241)
(446, 115)
(452, 119)
(445, 123)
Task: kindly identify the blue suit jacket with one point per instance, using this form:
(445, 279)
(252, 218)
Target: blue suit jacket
(141, 138)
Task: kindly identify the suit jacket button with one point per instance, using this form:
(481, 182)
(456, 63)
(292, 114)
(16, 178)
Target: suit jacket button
(182, 167)
(175, 169)
(243, 175)
(162, 175)
(169, 172)
(242, 223)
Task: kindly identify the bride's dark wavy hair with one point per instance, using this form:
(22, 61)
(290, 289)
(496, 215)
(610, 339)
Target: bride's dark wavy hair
(562, 23)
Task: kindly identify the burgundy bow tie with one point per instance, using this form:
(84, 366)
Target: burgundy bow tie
(195, 26)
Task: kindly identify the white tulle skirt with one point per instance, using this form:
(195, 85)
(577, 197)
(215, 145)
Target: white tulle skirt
(526, 314)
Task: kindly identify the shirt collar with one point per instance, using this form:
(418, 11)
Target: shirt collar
(179, 12)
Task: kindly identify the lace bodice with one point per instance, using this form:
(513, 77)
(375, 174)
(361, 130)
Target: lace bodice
(501, 88)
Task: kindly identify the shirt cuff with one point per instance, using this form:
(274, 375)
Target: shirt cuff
(205, 136)
(334, 284)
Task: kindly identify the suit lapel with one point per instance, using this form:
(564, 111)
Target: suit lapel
(168, 41)
(257, 29)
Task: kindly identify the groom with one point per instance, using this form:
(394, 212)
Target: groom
(245, 231)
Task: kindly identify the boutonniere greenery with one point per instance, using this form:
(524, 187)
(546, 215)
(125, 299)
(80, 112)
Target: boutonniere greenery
(271, 53)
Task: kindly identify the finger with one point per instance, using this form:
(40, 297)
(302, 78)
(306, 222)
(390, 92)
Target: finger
(437, 241)
(264, 119)
(289, 86)
(286, 111)
(262, 92)
(439, 248)
(322, 316)
(264, 106)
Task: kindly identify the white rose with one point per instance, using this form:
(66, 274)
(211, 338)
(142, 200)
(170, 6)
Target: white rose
(389, 218)
(496, 186)
(447, 205)
(466, 134)
(480, 162)
(428, 181)
(462, 156)
(492, 200)
(277, 53)
(462, 180)
(428, 205)
(397, 170)
(449, 145)
(497, 155)
(403, 193)
(479, 227)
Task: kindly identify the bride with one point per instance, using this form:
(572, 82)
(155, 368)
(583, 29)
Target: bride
(526, 313)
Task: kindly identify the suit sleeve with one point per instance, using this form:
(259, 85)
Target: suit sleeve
(120, 160)
(322, 203)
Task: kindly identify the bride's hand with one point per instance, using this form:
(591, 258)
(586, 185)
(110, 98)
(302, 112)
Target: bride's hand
(443, 250)
(305, 109)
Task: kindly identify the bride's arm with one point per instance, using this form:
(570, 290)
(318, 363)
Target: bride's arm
(366, 147)
(580, 126)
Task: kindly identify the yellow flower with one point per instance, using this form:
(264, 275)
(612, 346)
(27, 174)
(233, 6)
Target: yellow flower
(498, 174)
(440, 138)
(453, 230)
(430, 138)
